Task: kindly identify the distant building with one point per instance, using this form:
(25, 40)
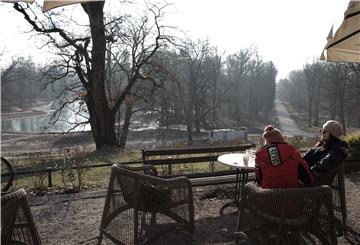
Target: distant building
(228, 135)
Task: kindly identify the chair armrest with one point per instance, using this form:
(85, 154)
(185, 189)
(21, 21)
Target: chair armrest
(241, 238)
(12, 196)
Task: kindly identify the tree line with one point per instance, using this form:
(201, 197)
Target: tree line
(21, 85)
(120, 67)
(324, 90)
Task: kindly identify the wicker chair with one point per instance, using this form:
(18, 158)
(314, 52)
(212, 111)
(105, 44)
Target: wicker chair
(336, 180)
(141, 207)
(241, 238)
(287, 215)
(17, 224)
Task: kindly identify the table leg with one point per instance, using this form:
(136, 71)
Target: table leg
(241, 178)
(237, 186)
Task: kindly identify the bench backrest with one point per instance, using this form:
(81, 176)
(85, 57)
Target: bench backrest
(170, 157)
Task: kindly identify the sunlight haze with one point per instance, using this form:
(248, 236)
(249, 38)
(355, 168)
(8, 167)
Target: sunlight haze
(289, 33)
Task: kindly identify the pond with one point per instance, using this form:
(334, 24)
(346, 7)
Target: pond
(41, 123)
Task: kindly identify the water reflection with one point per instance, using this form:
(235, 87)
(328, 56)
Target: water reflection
(26, 124)
(41, 123)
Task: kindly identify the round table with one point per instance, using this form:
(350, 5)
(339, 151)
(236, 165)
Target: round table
(236, 160)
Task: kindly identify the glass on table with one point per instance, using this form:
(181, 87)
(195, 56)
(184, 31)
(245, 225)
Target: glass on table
(246, 159)
(249, 156)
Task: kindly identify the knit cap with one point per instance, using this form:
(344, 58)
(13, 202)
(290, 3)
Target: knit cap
(334, 128)
(272, 135)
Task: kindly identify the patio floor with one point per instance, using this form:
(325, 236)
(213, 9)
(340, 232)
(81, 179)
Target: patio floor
(75, 218)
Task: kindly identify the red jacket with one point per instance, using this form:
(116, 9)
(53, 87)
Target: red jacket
(280, 165)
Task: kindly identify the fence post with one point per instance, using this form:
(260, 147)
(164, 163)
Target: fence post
(49, 176)
(143, 155)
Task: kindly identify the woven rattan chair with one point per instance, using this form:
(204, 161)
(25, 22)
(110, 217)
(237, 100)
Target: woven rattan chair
(17, 223)
(241, 238)
(287, 215)
(336, 180)
(141, 207)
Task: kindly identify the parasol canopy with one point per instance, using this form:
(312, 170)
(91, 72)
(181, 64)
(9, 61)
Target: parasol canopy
(344, 46)
(51, 4)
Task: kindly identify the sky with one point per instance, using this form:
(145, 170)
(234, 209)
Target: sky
(288, 32)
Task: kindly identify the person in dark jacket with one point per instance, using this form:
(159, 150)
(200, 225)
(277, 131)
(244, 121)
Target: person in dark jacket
(278, 164)
(329, 152)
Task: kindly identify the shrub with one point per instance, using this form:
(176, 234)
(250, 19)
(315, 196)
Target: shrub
(353, 139)
(66, 172)
(300, 142)
(39, 179)
(81, 152)
(72, 167)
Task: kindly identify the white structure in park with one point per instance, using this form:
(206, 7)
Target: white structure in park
(228, 134)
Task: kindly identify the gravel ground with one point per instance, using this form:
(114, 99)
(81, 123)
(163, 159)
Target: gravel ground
(74, 219)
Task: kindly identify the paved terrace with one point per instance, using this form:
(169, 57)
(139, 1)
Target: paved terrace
(75, 218)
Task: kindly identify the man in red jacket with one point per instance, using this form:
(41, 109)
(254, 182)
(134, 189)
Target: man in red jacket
(278, 164)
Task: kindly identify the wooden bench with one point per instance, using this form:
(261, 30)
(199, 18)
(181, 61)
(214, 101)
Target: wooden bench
(191, 162)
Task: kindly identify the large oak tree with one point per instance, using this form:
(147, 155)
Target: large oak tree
(83, 55)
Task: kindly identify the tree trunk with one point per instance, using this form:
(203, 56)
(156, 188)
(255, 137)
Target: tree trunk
(250, 109)
(310, 113)
(332, 105)
(189, 134)
(341, 109)
(189, 122)
(102, 119)
(197, 119)
(102, 124)
(125, 128)
(317, 106)
(214, 97)
(310, 99)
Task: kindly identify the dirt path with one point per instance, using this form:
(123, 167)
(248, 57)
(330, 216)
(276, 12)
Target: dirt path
(20, 143)
(15, 115)
(287, 125)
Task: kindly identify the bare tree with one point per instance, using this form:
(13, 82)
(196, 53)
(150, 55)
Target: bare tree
(20, 84)
(83, 54)
(314, 76)
(237, 68)
(339, 79)
(6, 73)
(353, 105)
(213, 73)
(292, 90)
(333, 87)
(312, 81)
(188, 75)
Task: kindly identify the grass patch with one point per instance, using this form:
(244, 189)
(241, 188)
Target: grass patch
(92, 178)
(72, 172)
(66, 178)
